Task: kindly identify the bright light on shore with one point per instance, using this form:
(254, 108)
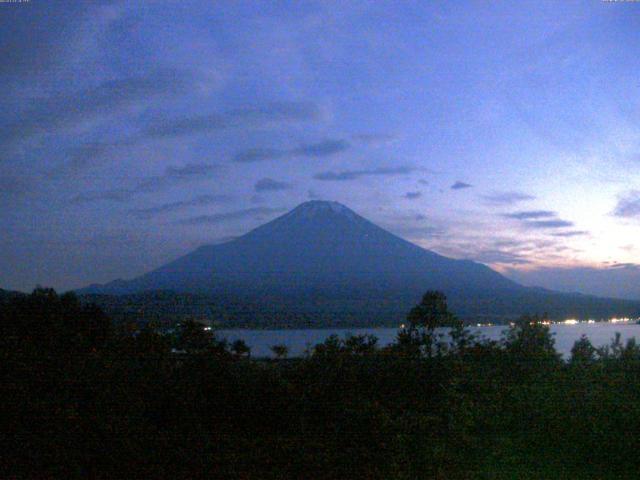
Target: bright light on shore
(619, 320)
(571, 321)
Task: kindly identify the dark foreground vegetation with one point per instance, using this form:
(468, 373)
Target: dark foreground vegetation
(85, 398)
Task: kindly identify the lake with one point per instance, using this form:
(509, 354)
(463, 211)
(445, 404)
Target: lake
(298, 340)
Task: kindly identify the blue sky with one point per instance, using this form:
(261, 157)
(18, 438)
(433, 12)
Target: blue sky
(505, 132)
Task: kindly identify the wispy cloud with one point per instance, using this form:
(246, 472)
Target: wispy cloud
(269, 184)
(243, 117)
(542, 219)
(114, 195)
(507, 198)
(544, 224)
(313, 195)
(414, 226)
(348, 175)
(632, 266)
(200, 200)
(628, 205)
(420, 232)
(257, 155)
(530, 214)
(172, 176)
(500, 256)
(80, 157)
(13, 185)
(460, 185)
(620, 280)
(373, 138)
(572, 233)
(64, 110)
(256, 212)
(323, 148)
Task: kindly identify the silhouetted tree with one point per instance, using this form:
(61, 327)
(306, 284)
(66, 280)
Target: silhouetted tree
(331, 346)
(616, 350)
(53, 323)
(192, 337)
(583, 352)
(432, 312)
(530, 343)
(240, 348)
(361, 344)
(280, 351)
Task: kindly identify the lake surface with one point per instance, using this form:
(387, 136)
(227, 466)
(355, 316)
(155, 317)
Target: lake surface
(298, 340)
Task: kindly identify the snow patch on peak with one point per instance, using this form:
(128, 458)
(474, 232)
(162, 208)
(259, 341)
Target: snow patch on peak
(315, 208)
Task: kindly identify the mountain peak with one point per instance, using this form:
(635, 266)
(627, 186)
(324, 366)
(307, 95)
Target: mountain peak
(315, 208)
(322, 205)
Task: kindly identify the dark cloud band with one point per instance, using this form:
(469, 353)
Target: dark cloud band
(348, 175)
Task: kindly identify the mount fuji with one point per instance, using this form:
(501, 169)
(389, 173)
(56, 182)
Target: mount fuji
(321, 264)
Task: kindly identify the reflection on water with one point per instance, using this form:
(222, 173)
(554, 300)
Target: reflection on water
(298, 340)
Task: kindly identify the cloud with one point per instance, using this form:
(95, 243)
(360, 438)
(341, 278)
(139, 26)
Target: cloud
(373, 138)
(412, 195)
(417, 231)
(633, 266)
(572, 233)
(269, 184)
(12, 185)
(277, 112)
(617, 280)
(200, 200)
(628, 206)
(258, 212)
(64, 110)
(460, 185)
(257, 155)
(507, 198)
(323, 148)
(530, 214)
(348, 175)
(543, 224)
(80, 157)
(172, 176)
(415, 226)
(115, 195)
(500, 256)
(32, 45)
(176, 175)
(531, 219)
(502, 251)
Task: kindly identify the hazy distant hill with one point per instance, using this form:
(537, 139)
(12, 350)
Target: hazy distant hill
(322, 264)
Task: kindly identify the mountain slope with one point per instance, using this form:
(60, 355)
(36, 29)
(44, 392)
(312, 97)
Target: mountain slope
(325, 263)
(316, 243)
